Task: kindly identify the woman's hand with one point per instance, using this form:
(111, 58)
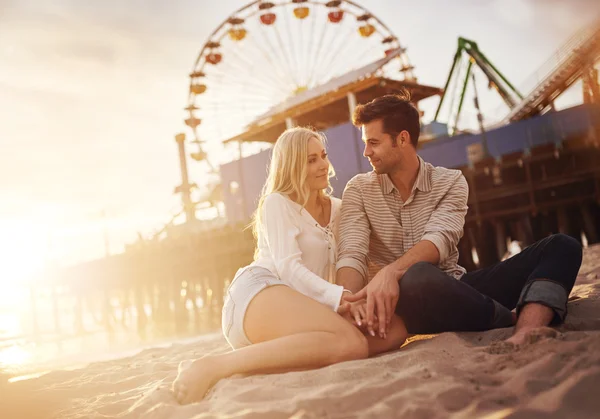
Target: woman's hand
(354, 312)
(358, 314)
(344, 305)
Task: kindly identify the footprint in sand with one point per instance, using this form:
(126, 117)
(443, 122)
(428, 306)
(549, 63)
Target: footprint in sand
(455, 399)
(500, 348)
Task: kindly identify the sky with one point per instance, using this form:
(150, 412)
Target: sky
(92, 93)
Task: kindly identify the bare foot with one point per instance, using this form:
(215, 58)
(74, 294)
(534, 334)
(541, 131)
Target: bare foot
(531, 335)
(195, 378)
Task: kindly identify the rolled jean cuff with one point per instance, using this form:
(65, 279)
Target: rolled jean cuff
(502, 316)
(546, 292)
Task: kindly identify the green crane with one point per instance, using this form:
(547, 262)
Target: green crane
(510, 95)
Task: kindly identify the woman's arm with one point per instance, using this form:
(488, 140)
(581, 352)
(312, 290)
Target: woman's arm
(281, 232)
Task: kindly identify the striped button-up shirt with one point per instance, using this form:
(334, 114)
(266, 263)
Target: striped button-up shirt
(377, 227)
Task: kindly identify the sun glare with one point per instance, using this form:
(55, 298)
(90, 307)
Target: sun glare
(14, 357)
(23, 251)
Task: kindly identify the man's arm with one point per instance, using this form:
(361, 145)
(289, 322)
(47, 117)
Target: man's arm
(423, 251)
(443, 230)
(354, 234)
(446, 225)
(350, 279)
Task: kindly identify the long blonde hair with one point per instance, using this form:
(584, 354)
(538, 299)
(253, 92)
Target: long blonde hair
(288, 170)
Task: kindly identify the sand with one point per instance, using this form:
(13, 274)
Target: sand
(459, 375)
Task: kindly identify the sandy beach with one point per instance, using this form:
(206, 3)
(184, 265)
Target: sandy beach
(460, 375)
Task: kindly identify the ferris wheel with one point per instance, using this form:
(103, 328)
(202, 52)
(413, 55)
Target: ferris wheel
(267, 52)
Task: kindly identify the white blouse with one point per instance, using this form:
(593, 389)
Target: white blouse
(298, 250)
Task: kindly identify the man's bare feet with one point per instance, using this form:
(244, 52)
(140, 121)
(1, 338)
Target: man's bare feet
(532, 335)
(520, 336)
(533, 316)
(195, 378)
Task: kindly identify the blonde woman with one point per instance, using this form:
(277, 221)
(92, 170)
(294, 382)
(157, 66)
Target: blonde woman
(282, 312)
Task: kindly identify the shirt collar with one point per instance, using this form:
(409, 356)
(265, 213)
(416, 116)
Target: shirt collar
(423, 182)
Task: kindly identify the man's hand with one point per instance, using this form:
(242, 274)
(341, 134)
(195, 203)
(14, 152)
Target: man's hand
(382, 295)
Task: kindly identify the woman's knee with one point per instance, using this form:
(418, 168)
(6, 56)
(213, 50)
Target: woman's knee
(352, 345)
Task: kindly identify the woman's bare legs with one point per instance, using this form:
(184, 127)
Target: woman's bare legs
(290, 332)
(396, 336)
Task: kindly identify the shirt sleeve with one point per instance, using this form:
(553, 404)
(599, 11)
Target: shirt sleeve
(354, 231)
(445, 226)
(281, 233)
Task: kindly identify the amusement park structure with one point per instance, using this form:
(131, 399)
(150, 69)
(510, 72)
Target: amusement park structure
(273, 65)
(488, 159)
(470, 50)
(575, 60)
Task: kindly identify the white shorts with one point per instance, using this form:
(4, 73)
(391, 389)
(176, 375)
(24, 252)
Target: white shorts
(246, 284)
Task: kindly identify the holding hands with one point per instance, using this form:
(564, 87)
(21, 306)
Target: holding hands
(375, 303)
(355, 312)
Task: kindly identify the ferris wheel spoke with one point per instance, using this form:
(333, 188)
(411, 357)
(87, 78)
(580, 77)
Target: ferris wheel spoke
(363, 53)
(247, 105)
(309, 48)
(263, 84)
(245, 60)
(248, 63)
(241, 116)
(312, 80)
(301, 57)
(246, 87)
(236, 64)
(249, 96)
(249, 109)
(292, 50)
(285, 55)
(286, 71)
(239, 89)
(277, 70)
(342, 47)
(254, 108)
(247, 102)
(249, 81)
(352, 59)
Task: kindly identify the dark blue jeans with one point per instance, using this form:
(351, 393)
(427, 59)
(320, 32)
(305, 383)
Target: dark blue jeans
(433, 302)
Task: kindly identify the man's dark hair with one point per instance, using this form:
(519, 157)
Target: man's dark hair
(396, 112)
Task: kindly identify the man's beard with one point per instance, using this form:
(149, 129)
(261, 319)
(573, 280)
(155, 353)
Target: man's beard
(380, 171)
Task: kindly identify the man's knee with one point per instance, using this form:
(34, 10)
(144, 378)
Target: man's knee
(420, 278)
(569, 252)
(567, 247)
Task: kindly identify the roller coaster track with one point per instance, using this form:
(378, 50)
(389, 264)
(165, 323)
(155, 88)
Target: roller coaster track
(574, 60)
